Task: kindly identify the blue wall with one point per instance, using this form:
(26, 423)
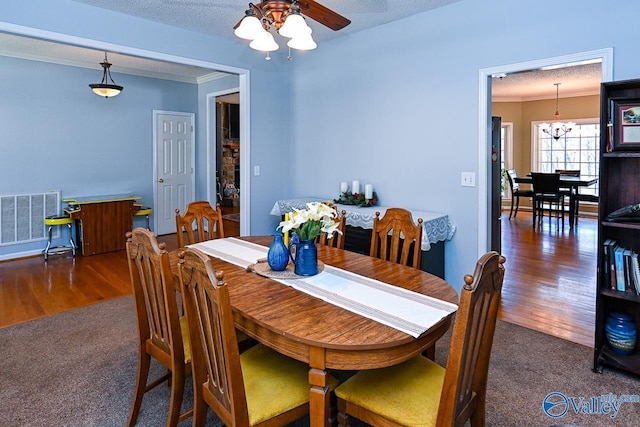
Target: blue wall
(396, 105)
(59, 135)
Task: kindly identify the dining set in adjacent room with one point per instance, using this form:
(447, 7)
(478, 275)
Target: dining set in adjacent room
(555, 194)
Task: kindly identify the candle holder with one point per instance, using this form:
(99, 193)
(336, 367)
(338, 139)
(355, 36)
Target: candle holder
(348, 198)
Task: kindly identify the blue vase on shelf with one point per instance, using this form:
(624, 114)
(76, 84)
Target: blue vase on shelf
(278, 254)
(621, 333)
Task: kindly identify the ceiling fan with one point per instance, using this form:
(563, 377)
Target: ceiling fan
(286, 16)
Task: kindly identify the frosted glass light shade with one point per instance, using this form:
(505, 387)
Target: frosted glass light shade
(250, 28)
(264, 42)
(304, 42)
(106, 90)
(294, 26)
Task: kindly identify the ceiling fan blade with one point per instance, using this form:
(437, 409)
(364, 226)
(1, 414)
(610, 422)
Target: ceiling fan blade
(323, 15)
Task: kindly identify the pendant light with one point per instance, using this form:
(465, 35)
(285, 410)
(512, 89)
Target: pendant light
(104, 88)
(557, 129)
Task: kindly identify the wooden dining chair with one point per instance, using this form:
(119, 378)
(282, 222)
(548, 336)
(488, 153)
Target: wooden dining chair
(516, 192)
(200, 222)
(395, 237)
(259, 387)
(162, 332)
(421, 392)
(546, 189)
(337, 239)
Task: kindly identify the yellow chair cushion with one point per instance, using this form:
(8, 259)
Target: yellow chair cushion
(58, 220)
(186, 342)
(143, 211)
(274, 383)
(408, 393)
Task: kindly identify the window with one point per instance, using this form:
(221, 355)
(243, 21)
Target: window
(578, 149)
(506, 156)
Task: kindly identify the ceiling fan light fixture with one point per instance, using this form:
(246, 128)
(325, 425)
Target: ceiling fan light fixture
(294, 26)
(250, 27)
(104, 88)
(265, 42)
(304, 42)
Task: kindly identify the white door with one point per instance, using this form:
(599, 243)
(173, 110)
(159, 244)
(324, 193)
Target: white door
(174, 141)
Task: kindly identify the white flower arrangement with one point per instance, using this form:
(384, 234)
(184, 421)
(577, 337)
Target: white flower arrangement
(309, 223)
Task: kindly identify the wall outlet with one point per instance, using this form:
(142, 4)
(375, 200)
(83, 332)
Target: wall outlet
(256, 170)
(468, 179)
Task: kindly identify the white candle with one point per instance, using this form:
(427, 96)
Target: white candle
(368, 191)
(344, 187)
(355, 187)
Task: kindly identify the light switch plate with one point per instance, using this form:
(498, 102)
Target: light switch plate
(468, 179)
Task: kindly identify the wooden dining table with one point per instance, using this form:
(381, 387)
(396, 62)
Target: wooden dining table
(570, 182)
(322, 334)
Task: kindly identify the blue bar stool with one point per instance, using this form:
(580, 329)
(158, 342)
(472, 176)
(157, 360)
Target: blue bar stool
(54, 221)
(144, 211)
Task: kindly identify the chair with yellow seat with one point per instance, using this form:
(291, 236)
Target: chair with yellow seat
(395, 236)
(144, 211)
(54, 221)
(162, 332)
(259, 387)
(200, 222)
(421, 392)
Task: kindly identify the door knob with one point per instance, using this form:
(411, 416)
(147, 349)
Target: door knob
(161, 180)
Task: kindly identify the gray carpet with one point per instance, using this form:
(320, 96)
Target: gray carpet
(78, 369)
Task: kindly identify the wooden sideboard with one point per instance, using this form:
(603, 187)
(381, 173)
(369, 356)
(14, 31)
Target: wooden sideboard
(103, 221)
(437, 228)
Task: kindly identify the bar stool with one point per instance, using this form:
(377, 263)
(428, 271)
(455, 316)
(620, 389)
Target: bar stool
(54, 221)
(144, 211)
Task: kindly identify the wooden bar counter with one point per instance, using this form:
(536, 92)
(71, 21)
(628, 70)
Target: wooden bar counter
(103, 221)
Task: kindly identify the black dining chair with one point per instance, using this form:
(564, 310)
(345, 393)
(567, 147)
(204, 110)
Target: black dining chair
(547, 192)
(516, 192)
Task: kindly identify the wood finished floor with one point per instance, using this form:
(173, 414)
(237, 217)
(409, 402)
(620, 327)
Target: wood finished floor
(549, 282)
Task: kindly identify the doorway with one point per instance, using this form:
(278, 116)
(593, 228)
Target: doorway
(526, 270)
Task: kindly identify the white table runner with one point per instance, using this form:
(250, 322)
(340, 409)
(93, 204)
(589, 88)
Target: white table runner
(407, 311)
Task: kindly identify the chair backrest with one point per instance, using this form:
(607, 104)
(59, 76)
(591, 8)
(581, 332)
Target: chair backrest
(465, 379)
(206, 219)
(216, 368)
(154, 295)
(511, 177)
(545, 183)
(388, 231)
(337, 240)
(568, 172)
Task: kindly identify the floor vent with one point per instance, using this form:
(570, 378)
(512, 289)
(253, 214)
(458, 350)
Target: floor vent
(22, 216)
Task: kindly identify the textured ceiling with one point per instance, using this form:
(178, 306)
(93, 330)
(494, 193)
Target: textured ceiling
(218, 17)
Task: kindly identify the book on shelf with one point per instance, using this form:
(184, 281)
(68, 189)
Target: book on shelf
(619, 265)
(635, 266)
(608, 266)
(628, 284)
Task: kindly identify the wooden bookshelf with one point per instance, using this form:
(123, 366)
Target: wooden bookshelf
(619, 187)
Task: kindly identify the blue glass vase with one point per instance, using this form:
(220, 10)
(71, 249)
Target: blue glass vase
(278, 255)
(306, 258)
(621, 333)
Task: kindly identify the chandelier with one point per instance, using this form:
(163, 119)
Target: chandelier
(284, 17)
(557, 128)
(104, 88)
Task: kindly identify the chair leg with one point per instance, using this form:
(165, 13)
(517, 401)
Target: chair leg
(144, 362)
(46, 250)
(343, 417)
(515, 214)
(71, 242)
(177, 392)
(511, 211)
